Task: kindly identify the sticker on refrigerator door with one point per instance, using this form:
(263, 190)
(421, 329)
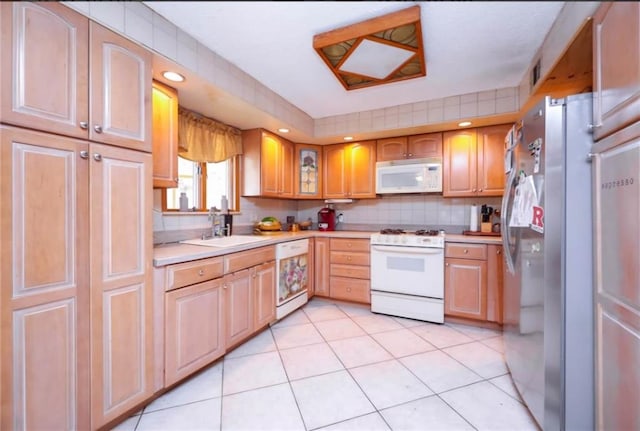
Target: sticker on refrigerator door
(534, 149)
(526, 197)
(537, 221)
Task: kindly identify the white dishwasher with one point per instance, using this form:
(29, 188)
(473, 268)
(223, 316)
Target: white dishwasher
(292, 276)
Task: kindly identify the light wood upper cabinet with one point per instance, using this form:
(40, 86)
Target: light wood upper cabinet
(44, 67)
(120, 93)
(267, 165)
(121, 291)
(71, 76)
(473, 161)
(44, 279)
(490, 172)
(307, 171)
(165, 136)
(349, 170)
(410, 147)
(460, 165)
(616, 68)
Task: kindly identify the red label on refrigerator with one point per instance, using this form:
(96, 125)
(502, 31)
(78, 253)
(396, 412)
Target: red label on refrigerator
(537, 223)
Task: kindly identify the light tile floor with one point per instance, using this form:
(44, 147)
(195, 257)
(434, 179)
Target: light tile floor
(337, 366)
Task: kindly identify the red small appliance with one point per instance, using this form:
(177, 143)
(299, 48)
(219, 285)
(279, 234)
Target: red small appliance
(327, 219)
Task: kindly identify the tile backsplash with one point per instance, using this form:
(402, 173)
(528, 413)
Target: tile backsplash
(408, 211)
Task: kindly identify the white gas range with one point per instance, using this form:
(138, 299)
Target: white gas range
(407, 274)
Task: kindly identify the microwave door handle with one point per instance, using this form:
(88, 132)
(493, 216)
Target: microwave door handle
(406, 250)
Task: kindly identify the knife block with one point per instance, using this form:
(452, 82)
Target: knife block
(485, 227)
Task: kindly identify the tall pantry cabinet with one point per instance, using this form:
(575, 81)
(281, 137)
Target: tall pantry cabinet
(75, 220)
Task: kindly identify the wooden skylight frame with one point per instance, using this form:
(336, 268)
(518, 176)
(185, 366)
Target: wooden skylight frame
(401, 30)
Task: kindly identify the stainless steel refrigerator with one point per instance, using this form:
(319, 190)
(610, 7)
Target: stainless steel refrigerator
(547, 237)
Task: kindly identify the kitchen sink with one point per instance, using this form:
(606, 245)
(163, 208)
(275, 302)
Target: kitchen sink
(225, 241)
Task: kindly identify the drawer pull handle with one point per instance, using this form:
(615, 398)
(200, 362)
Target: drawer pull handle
(348, 289)
(348, 257)
(201, 272)
(465, 251)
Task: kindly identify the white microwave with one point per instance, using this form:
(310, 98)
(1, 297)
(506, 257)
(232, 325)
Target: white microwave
(409, 176)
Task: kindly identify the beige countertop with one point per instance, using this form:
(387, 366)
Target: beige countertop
(167, 254)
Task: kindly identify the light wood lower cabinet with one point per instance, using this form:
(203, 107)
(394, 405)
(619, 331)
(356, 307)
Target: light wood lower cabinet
(121, 281)
(473, 281)
(194, 330)
(349, 270)
(44, 274)
(264, 294)
(76, 286)
(238, 300)
(321, 267)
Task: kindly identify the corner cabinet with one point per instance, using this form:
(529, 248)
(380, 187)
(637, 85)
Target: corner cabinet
(473, 161)
(73, 77)
(616, 67)
(165, 136)
(307, 171)
(267, 165)
(409, 147)
(349, 170)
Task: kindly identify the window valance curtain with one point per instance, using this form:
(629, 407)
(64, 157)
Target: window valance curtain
(201, 139)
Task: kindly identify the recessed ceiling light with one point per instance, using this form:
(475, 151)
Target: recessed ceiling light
(348, 138)
(173, 76)
(283, 130)
(464, 123)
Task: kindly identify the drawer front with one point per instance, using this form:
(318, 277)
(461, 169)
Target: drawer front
(187, 273)
(346, 244)
(346, 258)
(350, 289)
(352, 271)
(466, 251)
(245, 259)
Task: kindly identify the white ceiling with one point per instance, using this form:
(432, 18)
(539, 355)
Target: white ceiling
(469, 46)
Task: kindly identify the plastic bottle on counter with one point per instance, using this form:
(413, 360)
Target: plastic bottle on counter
(224, 205)
(473, 220)
(184, 202)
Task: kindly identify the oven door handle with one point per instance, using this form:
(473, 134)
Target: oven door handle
(406, 250)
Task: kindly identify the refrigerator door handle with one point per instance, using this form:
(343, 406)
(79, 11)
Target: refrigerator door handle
(504, 222)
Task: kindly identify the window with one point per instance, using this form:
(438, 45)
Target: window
(205, 184)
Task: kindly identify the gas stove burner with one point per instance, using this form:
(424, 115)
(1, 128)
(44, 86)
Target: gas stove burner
(392, 231)
(424, 232)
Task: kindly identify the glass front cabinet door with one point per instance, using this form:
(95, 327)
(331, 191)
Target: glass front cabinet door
(308, 169)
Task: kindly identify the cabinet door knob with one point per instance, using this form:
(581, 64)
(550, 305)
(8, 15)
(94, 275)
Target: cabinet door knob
(97, 128)
(410, 154)
(201, 272)
(446, 264)
(84, 154)
(479, 190)
(97, 157)
(404, 154)
(498, 251)
(224, 286)
(84, 125)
